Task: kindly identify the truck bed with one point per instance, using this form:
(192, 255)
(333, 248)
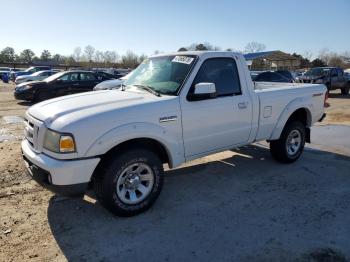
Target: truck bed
(274, 98)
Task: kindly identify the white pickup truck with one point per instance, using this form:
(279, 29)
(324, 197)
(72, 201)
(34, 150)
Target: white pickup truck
(173, 108)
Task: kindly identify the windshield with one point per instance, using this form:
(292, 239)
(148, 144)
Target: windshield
(164, 74)
(54, 76)
(38, 73)
(4, 69)
(317, 71)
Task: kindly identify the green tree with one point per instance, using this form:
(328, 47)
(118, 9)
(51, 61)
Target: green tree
(182, 49)
(45, 55)
(201, 47)
(7, 55)
(27, 56)
(58, 58)
(304, 62)
(317, 63)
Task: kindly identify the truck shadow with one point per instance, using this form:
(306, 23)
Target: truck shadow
(242, 205)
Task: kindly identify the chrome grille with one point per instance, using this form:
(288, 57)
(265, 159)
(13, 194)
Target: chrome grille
(33, 132)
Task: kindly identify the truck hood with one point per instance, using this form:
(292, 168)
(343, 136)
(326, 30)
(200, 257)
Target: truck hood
(72, 108)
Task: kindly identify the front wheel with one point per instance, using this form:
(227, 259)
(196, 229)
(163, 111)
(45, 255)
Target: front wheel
(291, 144)
(130, 183)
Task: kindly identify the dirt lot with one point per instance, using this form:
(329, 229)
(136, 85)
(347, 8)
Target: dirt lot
(236, 205)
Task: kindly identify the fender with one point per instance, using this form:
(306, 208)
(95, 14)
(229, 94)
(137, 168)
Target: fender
(171, 141)
(294, 105)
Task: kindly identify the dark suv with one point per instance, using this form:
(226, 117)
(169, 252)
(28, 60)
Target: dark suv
(332, 77)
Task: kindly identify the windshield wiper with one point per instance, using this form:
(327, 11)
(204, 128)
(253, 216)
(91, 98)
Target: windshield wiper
(148, 89)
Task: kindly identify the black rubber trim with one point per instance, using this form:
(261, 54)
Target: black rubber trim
(42, 177)
(322, 117)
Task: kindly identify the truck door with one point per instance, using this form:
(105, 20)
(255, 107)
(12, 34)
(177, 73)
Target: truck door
(218, 122)
(335, 81)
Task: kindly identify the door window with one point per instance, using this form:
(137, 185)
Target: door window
(69, 77)
(87, 77)
(223, 73)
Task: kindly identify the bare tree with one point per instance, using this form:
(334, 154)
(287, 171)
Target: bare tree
(254, 47)
(307, 54)
(89, 53)
(110, 57)
(324, 55)
(77, 54)
(99, 57)
(130, 59)
(141, 58)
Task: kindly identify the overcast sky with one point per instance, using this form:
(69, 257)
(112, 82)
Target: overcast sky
(145, 26)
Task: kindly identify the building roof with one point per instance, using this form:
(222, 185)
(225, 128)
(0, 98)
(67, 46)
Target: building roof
(270, 55)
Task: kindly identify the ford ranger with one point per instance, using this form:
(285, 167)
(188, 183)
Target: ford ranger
(173, 108)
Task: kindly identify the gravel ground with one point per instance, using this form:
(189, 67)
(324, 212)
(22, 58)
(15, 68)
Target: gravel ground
(233, 206)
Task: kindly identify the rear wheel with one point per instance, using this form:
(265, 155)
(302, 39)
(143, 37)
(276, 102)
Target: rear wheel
(291, 144)
(345, 90)
(130, 183)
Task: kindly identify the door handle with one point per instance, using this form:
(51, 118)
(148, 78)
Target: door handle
(242, 105)
(75, 84)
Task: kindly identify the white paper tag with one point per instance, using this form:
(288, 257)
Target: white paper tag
(183, 59)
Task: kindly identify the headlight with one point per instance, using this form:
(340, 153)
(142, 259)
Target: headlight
(25, 87)
(59, 143)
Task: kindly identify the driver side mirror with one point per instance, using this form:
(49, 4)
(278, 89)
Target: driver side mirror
(59, 81)
(203, 91)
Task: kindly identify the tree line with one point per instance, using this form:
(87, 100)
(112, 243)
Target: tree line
(87, 57)
(325, 57)
(90, 57)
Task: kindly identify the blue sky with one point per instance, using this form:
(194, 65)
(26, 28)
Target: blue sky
(145, 26)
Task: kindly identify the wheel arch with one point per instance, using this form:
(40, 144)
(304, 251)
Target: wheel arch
(294, 111)
(141, 142)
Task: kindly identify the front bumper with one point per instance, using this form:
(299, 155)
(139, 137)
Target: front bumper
(64, 177)
(23, 95)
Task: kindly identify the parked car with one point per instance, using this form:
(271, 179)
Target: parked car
(347, 74)
(111, 84)
(118, 73)
(332, 77)
(270, 76)
(174, 108)
(254, 74)
(4, 71)
(286, 74)
(60, 84)
(38, 76)
(13, 72)
(29, 71)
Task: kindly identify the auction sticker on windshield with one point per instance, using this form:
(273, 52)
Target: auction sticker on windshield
(183, 59)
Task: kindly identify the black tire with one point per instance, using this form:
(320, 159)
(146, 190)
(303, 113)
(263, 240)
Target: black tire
(345, 90)
(278, 148)
(105, 182)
